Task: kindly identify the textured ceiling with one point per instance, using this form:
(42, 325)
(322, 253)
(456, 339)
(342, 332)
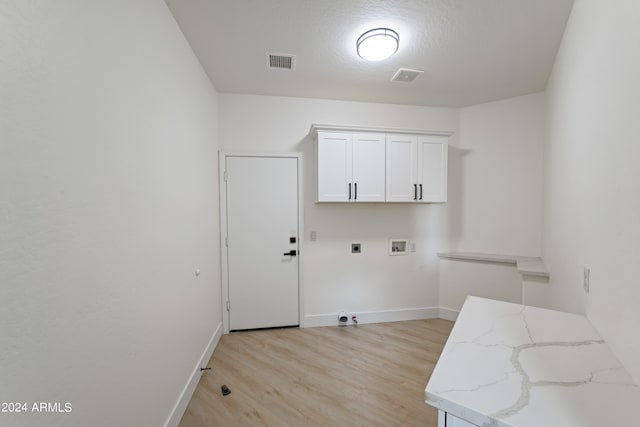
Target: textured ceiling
(471, 51)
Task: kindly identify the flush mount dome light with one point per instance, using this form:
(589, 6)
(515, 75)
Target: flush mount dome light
(377, 44)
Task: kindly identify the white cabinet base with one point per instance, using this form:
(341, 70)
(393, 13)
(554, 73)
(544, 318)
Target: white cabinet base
(447, 420)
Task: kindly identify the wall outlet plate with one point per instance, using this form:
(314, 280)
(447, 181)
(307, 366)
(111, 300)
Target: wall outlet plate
(356, 248)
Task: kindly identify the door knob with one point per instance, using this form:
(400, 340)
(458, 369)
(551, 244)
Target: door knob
(292, 252)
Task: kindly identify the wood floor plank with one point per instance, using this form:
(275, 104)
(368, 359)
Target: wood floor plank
(370, 375)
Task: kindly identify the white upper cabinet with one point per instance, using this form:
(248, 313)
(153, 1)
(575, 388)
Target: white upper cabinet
(357, 164)
(416, 168)
(368, 167)
(351, 167)
(335, 166)
(402, 164)
(432, 168)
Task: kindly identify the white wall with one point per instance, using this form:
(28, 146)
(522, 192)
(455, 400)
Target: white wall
(501, 152)
(495, 193)
(108, 203)
(592, 180)
(495, 200)
(334, 279)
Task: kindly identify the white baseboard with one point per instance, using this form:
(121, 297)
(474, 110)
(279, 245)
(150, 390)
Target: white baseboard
(448, 314)
(314, 320)
(181, 405)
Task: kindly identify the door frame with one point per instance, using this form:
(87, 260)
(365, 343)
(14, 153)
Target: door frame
(224, 255)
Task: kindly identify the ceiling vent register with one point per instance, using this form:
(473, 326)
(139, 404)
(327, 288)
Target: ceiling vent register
(281, 61)
(406, 75)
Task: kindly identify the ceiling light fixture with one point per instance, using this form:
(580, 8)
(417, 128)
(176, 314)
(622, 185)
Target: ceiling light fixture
(378, 44)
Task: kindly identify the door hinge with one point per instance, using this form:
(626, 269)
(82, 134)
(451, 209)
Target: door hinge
(226, 176)
(228, 305)
(226, 241)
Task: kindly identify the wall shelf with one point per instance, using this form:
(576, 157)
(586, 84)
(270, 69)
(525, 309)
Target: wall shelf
(527, 266)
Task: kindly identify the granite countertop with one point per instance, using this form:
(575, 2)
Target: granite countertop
(509, 365)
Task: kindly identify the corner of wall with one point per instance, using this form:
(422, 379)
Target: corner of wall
(190, 387)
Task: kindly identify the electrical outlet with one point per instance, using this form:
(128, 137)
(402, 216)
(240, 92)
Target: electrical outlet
(585, 283)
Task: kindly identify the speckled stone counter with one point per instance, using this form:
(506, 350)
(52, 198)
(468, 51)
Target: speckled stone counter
(512, 365)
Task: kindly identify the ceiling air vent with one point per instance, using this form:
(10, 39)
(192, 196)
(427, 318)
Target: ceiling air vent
(281, 61)
(406, 75)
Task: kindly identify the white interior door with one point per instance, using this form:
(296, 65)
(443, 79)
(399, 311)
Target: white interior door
(262, 238)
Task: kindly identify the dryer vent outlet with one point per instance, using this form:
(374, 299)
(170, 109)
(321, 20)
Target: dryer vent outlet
(343, 318)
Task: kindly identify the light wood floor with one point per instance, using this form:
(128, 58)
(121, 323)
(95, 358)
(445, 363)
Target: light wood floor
(372, 375)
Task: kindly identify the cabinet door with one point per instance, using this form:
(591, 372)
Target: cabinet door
(368, 167)
(335, 167)
(453, 421)
(402, 163)
(432, 169)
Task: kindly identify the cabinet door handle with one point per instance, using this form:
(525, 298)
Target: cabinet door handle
(415, 191)
(420, 191)
(355, 191)
(349, 191)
